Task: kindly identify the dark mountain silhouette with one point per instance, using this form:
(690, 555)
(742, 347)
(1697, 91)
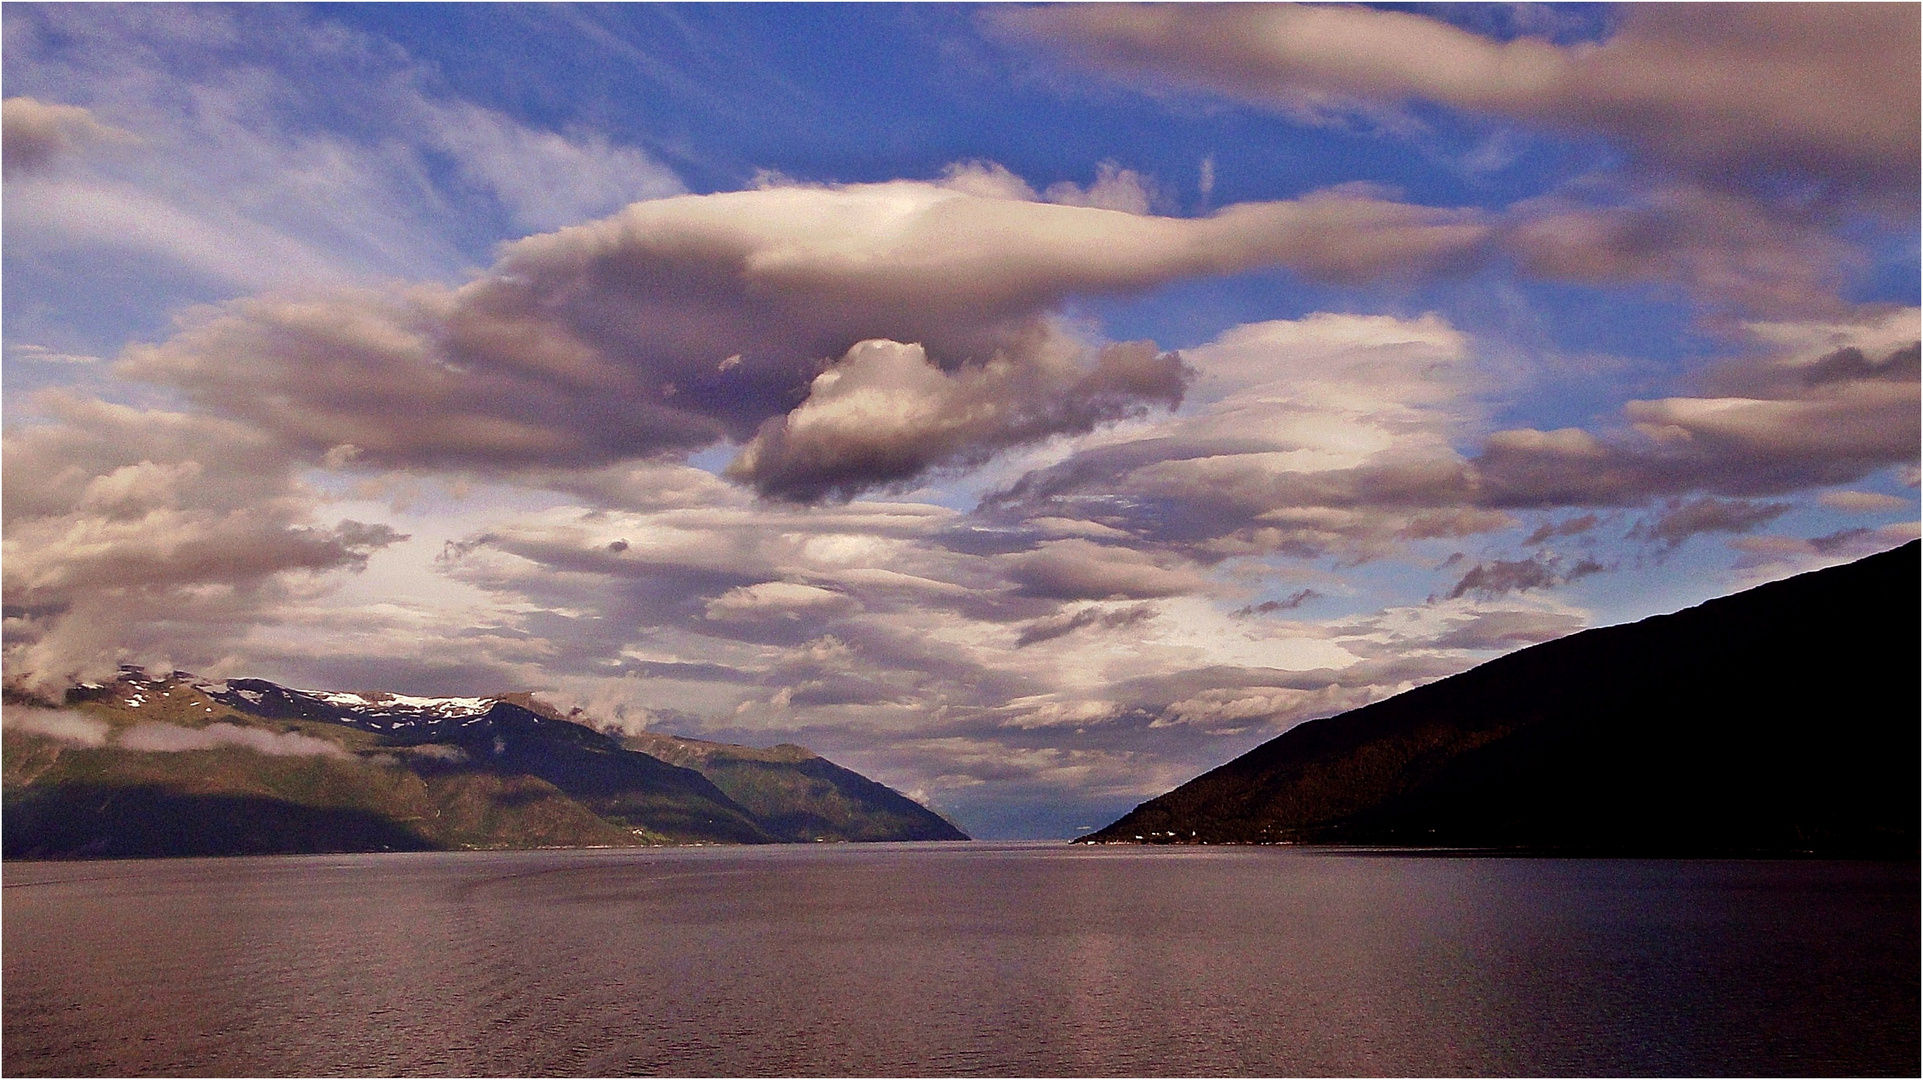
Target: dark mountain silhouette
(1780, 720)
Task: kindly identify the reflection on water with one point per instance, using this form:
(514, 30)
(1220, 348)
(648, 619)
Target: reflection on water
(959, 958)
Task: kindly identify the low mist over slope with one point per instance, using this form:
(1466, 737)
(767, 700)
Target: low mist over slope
(1779, 720)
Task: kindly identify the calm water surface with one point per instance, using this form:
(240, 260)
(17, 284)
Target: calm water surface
(962, 958)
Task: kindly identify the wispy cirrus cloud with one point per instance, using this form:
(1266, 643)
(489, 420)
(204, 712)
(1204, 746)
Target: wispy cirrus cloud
(255, 150)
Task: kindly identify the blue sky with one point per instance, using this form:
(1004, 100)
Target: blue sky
(1029, 407)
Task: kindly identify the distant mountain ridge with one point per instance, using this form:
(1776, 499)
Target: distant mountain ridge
(1780, 720)
(368, 711)
(186, 766)
(797, 794)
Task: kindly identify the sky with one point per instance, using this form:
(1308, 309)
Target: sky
(1029, 407)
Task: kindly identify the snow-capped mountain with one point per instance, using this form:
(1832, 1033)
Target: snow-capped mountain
(389, 714)
(187, 765)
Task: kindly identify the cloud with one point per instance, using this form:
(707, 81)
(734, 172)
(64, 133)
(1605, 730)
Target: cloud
(1329, 434)
(1411, 644)
(683, 321)
(773, 599)
(1261, 702)
(1573, 526)
(35, 135)
(1796, 416)
(1062, 625)
(142, 535)
(1768, 558)
(1682, 519)
(1076, 569)
(267, 149)
(1507, 630)
(156, 738)
(40, 354)
(1115, 188)
(1726, 249)
(884, 414)
(1764, 124)
(1732, 94)
(1269, 607)
(1848, 364)
(1501, 576)
(546, 180)
(1863, 502)
(67, 726)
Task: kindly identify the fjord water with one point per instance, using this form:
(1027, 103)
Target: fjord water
(958, 959)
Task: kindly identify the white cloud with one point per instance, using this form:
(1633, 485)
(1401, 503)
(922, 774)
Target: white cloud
(158, 738)
(774, 599)
(62, 724)
(1863, 502)
(1328, 434)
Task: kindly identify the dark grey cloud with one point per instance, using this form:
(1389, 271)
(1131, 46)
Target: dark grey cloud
(1841, 540)
(1499, 576)
(1848, 363)
(1801, 412)
(1269, 607)
(1681, 519)
(1573, 526)
(1062, 625)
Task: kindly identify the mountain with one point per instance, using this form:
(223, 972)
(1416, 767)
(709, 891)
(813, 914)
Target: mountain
(626, 788)
(1780, 720)
(179, 766)
(796, 794)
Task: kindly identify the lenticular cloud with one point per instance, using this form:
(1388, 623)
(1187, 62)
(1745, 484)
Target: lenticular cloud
(683, 321)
